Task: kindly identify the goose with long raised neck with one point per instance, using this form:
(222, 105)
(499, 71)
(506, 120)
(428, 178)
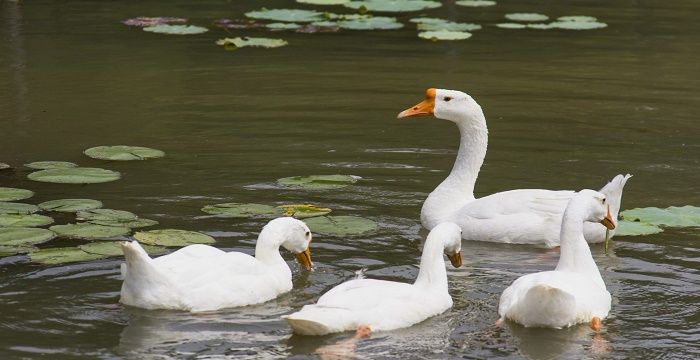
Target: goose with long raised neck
(203, 278)
(524, 216)
(572, 293)
(369, 305)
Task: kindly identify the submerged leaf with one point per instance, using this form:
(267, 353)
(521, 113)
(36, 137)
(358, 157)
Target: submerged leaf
(239, 42)
(672, 216)
(444, 35)
(144, 21)
(393, 5)
(89, 231)
(53, 256)
(14, 194)
(527, 17)
(17, 208)
(240, 210)
(286, 15)
(341, 225)
(475, 3)
(123, 153)
(316, 182)
(176, 29)
(42, 165)
(24, 220)
(78, 175)
(70, 205)
(633, 228)
(24, 236)
(173, 237)
(302, 211)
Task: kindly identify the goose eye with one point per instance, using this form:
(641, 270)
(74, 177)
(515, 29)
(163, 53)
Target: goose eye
(308, 233)
(447, 98)
(603, 201)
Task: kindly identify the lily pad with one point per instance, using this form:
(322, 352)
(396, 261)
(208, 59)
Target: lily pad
(132, 224)
(42, 165)
(24, 220)
(392, 5)
(17, 208)
(578, 25)
(475, 3)
(238, 42)
(511, 26)
(318, 182)
(54, 256)
(70, 205)
(24, 236)
(302, 211)
(176, 29)
(634, 228)
(4, 166)
(78, 175)
(89, 231)
(13, 194)
(282, 26)
(444, 35)
(173, 237)
(143, 21)
(323, 2)
(106, 215)
(534, 17)
(123, 153)
(114, 248)
(286, 15)
(672, 216)
(580, 18)
(539, 26)
(433, 24)
(15, 250)
(341, 225)
(240, 210)
(371, 23)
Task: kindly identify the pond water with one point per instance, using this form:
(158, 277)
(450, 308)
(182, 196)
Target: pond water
(565, 109)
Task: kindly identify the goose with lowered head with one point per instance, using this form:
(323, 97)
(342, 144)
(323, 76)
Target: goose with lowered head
(203, 278)
(527, 216)
(572, 293)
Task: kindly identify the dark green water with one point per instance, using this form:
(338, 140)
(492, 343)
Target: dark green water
(565, 110)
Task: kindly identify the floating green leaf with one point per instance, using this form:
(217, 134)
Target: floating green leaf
(286, 15)
(13, 194)
(24, 236)
(106, 215)
(42, 165)
(123, 153)
(240, 210)
(17, 208)
(143, 21)
(24, 220)
(633, 228)
(341, 225)
(578, 25)
(176, 29)
(282, 26)
(89, 231)
(317, 182)
(527, 17)
(539, 26)
(475, 3)
(78, 175)
(444, 35)
(323, 2)
(4, 166)
(433, 24)
(577, 18)
(238, 42)
(114, 248)
(511, 26)
(54, 256)
(70, 205)
(672, 216)
(132, 224)
(392, 5)
(15, 250)
(370, 23)
(173, 237)
(302, 211)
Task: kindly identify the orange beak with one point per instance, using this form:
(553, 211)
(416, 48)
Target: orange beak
(304, 258)
(608, 220)
(456, 259)
(424, 108)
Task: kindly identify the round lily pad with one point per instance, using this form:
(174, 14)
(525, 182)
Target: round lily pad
(42, 165)
(173, 237)
(341, 225)
(323, 2)
(282, 26)
(542, 26)
(511, 26)
(54, 256)
(123, 153)
(672, 216)
(527, 17)
(24, 220)
(15, 250)
(302, 211)
(24, 236)
(392, 5)
(143, 21)
(475, 3)
(13, 194)
(432, 24)
(238, 42)
(634, 228)
(371, 23)
(240, 210)
(4, 166)
(106, 215)
(131, 224)
(317, 182)
(286, 15)
(114, 248)
(444, 35)
(89, 231)
(578, 25)
(78, 175)
(17, 208)
(70, 205)
(176, 29)
(580, 18)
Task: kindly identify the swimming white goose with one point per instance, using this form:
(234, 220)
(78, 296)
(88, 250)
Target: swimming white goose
(203, 278)
(572, 293)
(379, 305)
(525, 216)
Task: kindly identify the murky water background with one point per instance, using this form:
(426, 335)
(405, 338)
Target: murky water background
(565, 110)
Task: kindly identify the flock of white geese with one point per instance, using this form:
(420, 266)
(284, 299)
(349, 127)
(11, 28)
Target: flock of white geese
(203, 278)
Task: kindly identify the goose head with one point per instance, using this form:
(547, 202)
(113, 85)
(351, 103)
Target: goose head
(295, 236)
(597, 207)
(451, 236)
(451, 105)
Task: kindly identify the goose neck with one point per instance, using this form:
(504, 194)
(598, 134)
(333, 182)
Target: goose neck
(432, 271)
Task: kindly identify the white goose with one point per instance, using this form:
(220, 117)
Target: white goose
(203, 278)
(377, 305)
(525, 216)
(572, 293)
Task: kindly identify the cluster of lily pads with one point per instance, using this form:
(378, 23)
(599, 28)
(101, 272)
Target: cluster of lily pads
(652, 220)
